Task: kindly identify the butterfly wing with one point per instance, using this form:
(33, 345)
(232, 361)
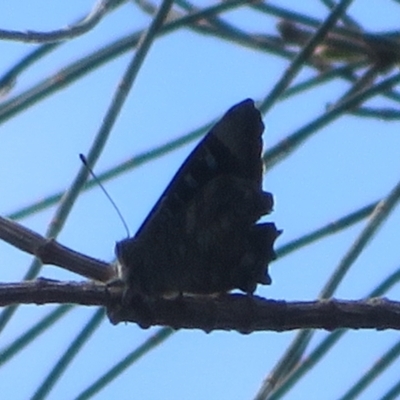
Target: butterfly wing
(201, 236)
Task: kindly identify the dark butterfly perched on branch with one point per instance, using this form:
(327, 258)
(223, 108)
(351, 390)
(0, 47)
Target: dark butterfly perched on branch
(201, 237)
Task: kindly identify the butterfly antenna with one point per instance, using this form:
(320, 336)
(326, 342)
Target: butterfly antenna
(97, 180)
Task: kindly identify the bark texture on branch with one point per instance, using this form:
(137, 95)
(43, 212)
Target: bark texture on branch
(51, 252)
(238, 312)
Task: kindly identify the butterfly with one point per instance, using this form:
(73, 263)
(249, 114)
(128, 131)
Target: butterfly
(202, 236)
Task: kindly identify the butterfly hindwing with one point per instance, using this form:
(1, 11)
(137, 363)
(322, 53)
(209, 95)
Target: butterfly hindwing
(201, 235)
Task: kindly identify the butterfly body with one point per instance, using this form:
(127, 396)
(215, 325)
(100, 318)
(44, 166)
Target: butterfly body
(201, 236)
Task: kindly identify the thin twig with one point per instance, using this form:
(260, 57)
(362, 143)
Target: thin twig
(304, 54)
(83, 26)
(293, 142)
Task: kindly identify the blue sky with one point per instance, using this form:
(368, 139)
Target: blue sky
(186, 80)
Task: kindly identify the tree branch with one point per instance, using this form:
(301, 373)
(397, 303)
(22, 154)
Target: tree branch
(238, 312)
(248, 314)
(46, 291)
(51, 252)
